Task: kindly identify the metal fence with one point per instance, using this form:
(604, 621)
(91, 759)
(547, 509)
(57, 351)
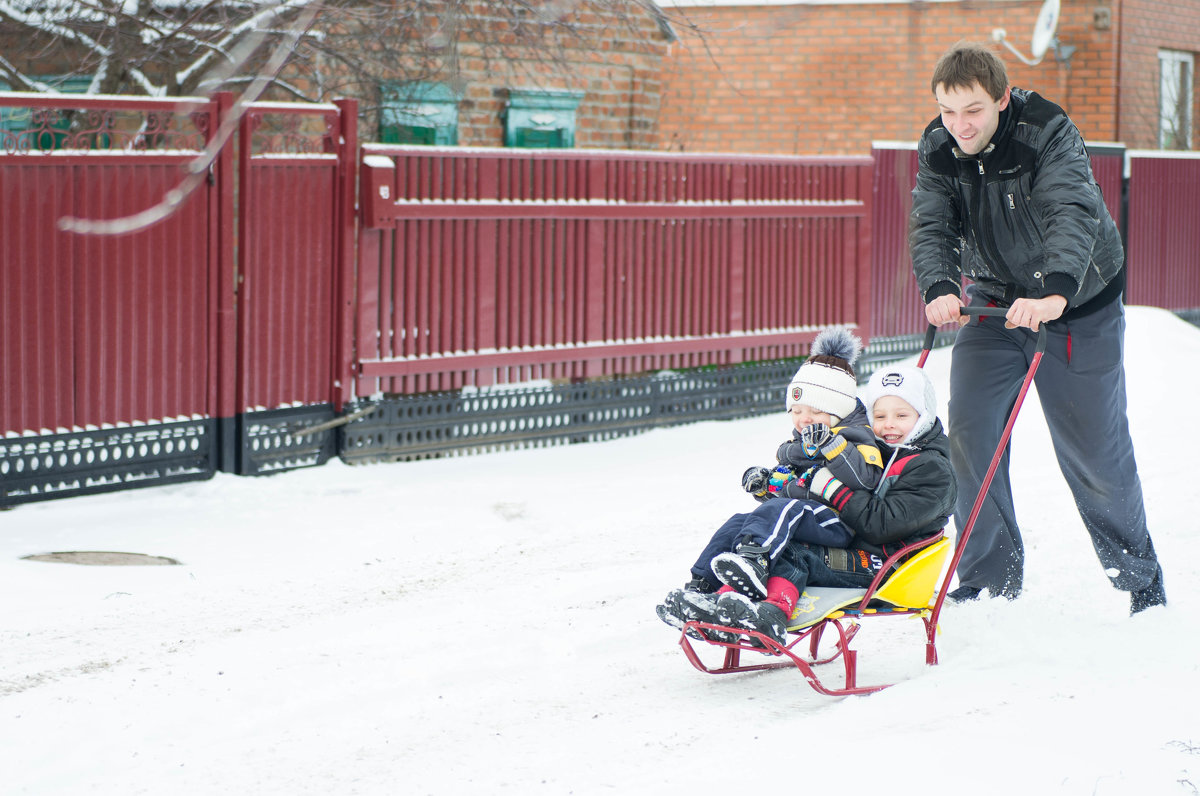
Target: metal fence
(491, 266)
(108, 367)
(293, 309)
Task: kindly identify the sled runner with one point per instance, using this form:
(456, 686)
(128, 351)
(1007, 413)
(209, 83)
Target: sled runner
(907, 585)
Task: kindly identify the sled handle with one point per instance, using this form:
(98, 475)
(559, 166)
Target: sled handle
(965, 533)
(932, 331)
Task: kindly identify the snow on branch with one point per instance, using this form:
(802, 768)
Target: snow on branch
(198, 168)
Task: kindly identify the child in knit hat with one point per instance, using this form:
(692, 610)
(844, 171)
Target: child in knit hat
(831, 450)
(912, 501)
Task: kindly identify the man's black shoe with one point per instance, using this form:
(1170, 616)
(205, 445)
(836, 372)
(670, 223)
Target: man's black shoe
(963, 594)
(1152, 595)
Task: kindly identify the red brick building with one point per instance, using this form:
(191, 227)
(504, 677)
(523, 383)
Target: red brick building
(820, 77)
(493, 73)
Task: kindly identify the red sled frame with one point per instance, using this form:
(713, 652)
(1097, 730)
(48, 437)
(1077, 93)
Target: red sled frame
(846, 622)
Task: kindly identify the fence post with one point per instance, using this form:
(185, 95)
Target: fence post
(862, 251)
(596, 303)
(486, 241)
(342, 371)
(737, 175)
(223, 284)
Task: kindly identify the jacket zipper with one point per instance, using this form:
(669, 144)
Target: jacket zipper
(986, 244)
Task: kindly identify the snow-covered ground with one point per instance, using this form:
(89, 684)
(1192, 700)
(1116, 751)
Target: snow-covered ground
(485, 625)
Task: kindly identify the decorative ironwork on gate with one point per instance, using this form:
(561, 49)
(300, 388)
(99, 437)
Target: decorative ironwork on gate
(45, 124)
(279, 129)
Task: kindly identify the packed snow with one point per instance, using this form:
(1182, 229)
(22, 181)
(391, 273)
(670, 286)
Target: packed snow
(486, 625)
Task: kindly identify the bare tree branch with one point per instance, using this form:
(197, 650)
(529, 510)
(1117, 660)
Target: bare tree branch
(198, 169)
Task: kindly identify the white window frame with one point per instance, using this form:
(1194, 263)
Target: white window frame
(1176, 96)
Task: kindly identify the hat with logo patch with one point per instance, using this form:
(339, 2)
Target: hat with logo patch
(826, 380)
(911, 385)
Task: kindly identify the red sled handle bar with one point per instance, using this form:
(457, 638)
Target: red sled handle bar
(965, 533)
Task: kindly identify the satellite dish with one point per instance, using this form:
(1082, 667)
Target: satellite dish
(1043, 35)
(1044, 28)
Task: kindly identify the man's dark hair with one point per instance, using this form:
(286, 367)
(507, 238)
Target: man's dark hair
(968, 63)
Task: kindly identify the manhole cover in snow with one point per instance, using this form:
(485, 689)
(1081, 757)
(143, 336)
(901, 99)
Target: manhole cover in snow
(102, 558)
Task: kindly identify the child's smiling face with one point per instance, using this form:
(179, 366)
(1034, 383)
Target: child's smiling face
(804, 416)
(892, 419)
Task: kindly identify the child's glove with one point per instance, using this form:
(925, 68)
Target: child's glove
(814, 437)
(755, 481)
(780, 479)
(828, 489)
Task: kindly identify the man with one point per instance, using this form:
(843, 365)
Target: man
(1005, 196)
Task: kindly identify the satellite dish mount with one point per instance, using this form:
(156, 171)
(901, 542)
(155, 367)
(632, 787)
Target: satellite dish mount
(1043, 37)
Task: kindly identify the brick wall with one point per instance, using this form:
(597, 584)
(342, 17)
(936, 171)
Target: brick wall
(830, 79)
(1147, 27)
(611, 50)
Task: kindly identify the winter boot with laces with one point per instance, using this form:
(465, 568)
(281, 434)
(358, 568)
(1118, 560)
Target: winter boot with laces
(744, 570)
(681, 606)
(738, 610)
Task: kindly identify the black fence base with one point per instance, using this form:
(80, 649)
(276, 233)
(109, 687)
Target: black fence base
(422, 426)
(51, 466)
(285, 439)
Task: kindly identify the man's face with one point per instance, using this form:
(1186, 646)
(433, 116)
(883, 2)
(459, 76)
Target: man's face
(970, 115)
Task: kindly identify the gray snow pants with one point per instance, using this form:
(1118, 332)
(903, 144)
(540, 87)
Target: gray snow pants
(1081, 385)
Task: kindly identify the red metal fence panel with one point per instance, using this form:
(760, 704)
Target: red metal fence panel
(102, 329)
(480, 266)
(896, 306)
(142, 302)
(287, 257)
(37, 291)
(1164, 230)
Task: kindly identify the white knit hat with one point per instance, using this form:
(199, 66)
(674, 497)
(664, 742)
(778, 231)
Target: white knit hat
(909, 384)
(826, 380)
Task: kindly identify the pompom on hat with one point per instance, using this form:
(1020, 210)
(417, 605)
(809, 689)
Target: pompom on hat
(826, 380)
(911, 385)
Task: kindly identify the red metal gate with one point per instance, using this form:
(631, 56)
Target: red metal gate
(109, 353)
(296, 177)
(149, 356)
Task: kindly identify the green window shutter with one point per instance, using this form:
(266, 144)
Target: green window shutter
(533, 138)
(418, 113)
(407, 134)
(541, 119)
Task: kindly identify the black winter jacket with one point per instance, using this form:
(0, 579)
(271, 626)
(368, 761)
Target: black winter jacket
(913, 501)
(1023, 219)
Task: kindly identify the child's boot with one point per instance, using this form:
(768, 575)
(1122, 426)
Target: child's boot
(774, 612)
(681, 606)
(745, 569)
(769, 617)
(733, 608)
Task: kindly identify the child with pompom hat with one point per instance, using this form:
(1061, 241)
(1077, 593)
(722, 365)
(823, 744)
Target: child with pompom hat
(831, 446)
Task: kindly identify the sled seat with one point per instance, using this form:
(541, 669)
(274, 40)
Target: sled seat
(908, 588)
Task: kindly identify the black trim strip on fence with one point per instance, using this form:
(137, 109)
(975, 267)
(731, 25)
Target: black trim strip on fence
(105, 460)
(422, 426)
(285, 439)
